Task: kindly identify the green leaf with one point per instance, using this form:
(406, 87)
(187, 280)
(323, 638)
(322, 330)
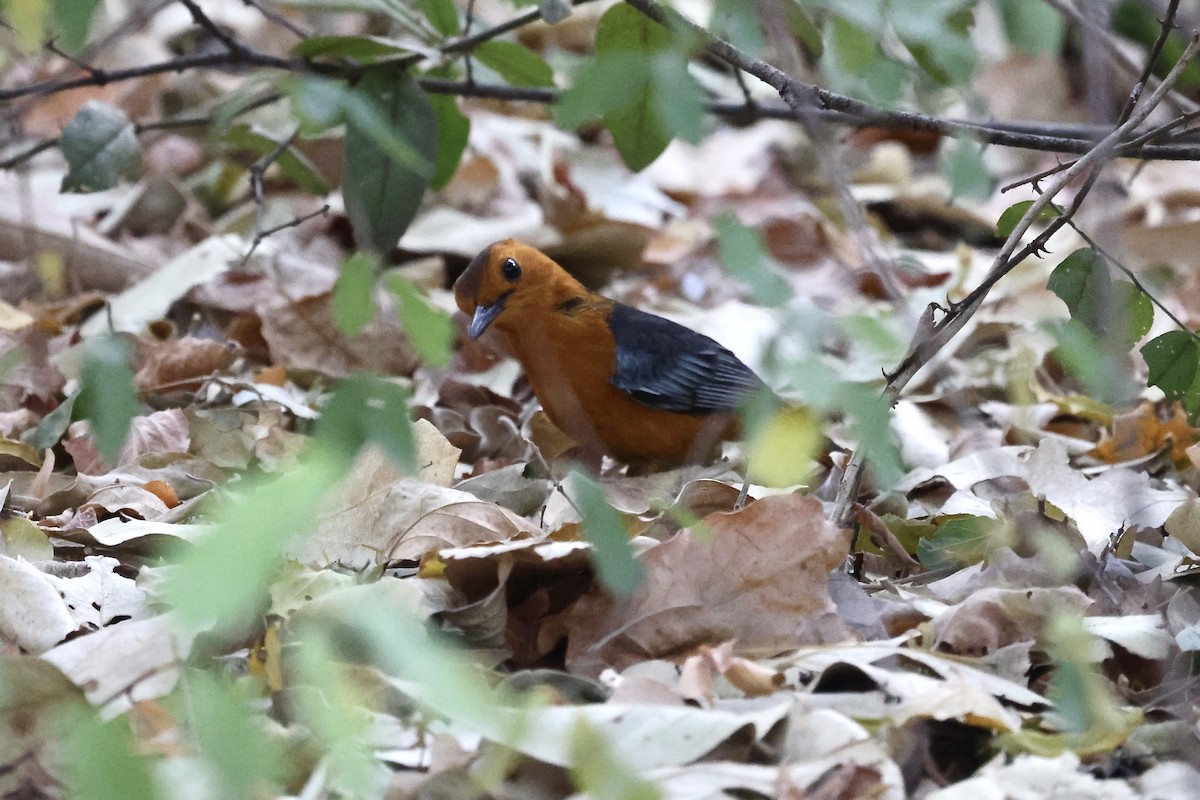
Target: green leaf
(962, 163)
(1013, 214)
(1172, 359)
(354, 294)
(1082, 281)
(73, 18)
(517, 64)
(391, 141)
(745, 257)
(357, 48)
(639, 84)
(364, 409)
(100, 146)
(604, 85)
(454, 129)
(960, 541)
(598, 773)
(107, 398)
(50, 430)
(801, 24)
(100, 762)
(430, 330)
(625, 29)
(851, 47)
(441, 14)
(318, 103)
(291, 162)
(616, 567)
(28, 21)
(230, 736)
(1138, 310)
(737, 21)
(225, 575)
(1096, 362)
(1033, 27)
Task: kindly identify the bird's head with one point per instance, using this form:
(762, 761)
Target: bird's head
(508, 280)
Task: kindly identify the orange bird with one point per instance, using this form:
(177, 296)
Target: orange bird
(615, 379)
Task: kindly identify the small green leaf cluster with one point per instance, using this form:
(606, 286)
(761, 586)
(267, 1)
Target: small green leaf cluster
(1108, 317)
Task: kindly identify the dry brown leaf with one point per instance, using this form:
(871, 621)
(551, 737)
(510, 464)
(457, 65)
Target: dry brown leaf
(180, 364)
(761, 579)
(303, 335)
(1146, 430)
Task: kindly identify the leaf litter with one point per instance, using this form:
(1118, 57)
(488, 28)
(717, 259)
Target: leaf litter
(747, 662)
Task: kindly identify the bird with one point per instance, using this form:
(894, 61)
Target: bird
(619, 381)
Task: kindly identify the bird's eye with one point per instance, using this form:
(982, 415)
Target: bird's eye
(510, 269)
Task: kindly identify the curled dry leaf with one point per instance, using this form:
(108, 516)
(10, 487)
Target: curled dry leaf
(303, 335)
(359, 522)
(993, 618)
(761, 578)
(180, 364)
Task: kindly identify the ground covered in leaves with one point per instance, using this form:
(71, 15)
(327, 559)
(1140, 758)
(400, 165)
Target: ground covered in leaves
(216, 609)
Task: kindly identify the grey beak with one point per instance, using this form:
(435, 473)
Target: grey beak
(484, 316)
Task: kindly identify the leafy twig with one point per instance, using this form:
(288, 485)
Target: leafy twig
(929, 341)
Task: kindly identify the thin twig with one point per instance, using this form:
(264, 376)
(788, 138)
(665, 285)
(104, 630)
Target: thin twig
(292, 223)
(278, 19)
(213, 29)
(1133, 278)
(927, 342)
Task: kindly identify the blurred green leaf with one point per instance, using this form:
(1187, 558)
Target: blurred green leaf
(1096, 362)
(249, 764)
(365, 409)
(1172, 359)
(225, 575)
(318, 103)
(107, 398)
(28, 20)
(441, 14)
(1085, 706)
(745, 257)
(364, 49)
(454, 130)
(639, 85)
(291, 162)
(429, 329)
(851, 47)
(801, 24)
(354, 294)
(516, 63)
(598, 773)
(737, 21)
(100, 761)
(332, 708)
(617, 569)
(391, 142)
(1033, 26)
(73, 18)
(1138, 310)
(962, 163)
(100, 146)
(1013, 214)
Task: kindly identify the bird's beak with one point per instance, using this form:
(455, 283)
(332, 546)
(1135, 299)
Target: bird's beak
(485, 316)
